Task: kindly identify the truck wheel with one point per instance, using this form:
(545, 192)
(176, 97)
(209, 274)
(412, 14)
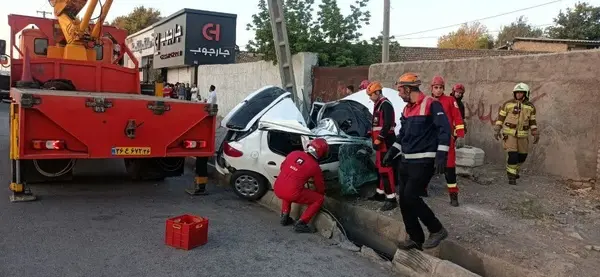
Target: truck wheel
(249, 185)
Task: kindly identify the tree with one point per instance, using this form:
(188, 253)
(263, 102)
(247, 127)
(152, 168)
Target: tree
(581, 22)
(140, 18)
(333, 36)
(468, 36)
(519, 28)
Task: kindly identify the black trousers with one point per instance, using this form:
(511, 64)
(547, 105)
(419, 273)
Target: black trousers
(201, 167)
(413, 179)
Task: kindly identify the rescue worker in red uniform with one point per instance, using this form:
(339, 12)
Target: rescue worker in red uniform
(422, 148)
(456, 129)
(296, 170)
(383, 137)
(364, 84)
(458, 91)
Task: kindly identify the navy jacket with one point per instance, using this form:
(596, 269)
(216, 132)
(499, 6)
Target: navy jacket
(425, 132)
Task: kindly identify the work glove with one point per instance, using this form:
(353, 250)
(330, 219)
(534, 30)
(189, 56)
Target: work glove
(440, 162)
(389, 157)
(460, 142)
(536, 136)
(497, 134)
(376, 144)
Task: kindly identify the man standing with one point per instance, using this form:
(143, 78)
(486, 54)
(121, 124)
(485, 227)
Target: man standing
(349, 90)
(188, 92)
(212, 95)
(195, 95)
(383, 136)
(297, 168)
(458, 91)
(364, 84)
(180, 91)
(456, 129)
(516, 118)
(422, 147)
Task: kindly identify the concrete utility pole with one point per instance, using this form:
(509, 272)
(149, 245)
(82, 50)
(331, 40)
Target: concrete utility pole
(43, 13)
(282, 48)
(385, 51)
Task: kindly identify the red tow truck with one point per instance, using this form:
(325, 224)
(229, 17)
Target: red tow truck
(72, 98)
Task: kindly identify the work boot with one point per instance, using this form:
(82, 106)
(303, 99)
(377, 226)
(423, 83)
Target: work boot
(409, 244)
(512, 179)
(454, 199)
(377, 197)
(199, 189)
(389, 205)
(285, 220)
(435, 239)
(301, 227)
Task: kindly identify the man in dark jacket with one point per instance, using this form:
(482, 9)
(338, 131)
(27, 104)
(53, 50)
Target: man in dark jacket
(422, 148)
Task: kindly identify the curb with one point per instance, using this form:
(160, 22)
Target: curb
(408, 263)
(449, 259)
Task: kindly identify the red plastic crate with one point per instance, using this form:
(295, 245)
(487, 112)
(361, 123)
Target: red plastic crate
(186, 231)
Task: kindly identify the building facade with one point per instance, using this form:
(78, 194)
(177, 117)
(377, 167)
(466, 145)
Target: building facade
(549, 45)
(173, 48)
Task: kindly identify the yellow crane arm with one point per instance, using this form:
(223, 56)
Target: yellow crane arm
(75, 31)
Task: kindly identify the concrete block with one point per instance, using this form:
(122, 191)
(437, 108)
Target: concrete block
(448, 269)
(373, 256)
(325, 224)
(266, 199)
(464, 171)
(414, 263)
(470, 156)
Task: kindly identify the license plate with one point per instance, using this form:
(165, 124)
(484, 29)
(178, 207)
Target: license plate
(131, 151)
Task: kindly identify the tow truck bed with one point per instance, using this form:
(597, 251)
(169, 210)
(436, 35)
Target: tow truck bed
(110, 125)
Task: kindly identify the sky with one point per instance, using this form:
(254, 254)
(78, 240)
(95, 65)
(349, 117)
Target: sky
(408, 23)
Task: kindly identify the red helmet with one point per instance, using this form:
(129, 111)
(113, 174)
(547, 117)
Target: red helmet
(364, 84)
(318, 148)
(458, 87)
(438, 81)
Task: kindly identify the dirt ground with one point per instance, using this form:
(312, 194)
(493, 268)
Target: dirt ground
(548, 225)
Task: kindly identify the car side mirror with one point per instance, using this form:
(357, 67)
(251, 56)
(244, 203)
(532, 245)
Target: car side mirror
(2, 47)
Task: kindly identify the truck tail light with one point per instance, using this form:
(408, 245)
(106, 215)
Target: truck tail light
(230, 151)
(48, 144)
(193, 144)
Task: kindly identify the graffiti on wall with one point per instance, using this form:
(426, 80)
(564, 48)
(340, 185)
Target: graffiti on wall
(488, 113)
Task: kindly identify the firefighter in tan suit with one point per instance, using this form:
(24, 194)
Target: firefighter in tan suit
(516, 119)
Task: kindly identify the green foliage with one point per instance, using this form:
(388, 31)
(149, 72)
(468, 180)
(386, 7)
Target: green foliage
(518, 28)
(580, 22)
(334, 36)
(140, 18)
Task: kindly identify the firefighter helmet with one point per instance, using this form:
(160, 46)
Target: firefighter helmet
(373, 87)
(458, 88)
(318, 148)
(522, 87)
(364, 84)
(438, 81)
(409, 79)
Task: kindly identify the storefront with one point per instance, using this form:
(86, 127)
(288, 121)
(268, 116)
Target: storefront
(141, 45)
(190, 38)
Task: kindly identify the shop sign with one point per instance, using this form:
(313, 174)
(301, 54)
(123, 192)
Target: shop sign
(171, 55)
(207, 51)
(168, 37)
(141, 44)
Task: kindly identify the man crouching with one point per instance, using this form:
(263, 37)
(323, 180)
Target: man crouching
(297, 168)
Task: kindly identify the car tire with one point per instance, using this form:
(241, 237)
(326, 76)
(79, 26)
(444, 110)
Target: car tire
(249, 185)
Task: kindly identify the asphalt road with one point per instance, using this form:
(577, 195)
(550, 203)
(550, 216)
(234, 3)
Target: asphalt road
(104, 225)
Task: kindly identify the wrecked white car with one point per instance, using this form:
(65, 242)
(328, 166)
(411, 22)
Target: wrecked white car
(266, 126)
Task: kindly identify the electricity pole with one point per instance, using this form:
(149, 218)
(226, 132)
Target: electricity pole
(43, 13)
(385, 51)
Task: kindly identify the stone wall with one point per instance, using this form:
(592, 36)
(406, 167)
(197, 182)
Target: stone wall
(564, 90)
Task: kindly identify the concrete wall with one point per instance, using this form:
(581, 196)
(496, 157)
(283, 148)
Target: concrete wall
(235, 81)
(180, 75)
(564, 91)
(539, 46)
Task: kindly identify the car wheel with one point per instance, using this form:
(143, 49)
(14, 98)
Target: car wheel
(249, 185)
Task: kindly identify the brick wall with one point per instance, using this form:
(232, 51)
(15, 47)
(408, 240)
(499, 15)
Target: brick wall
(329, 83)
(539, 46)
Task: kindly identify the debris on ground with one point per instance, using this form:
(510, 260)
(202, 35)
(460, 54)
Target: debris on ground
(542, 224)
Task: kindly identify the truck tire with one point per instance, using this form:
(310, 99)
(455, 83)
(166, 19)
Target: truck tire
(249, 185)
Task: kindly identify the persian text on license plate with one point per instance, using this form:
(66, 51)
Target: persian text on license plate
(131, 151)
